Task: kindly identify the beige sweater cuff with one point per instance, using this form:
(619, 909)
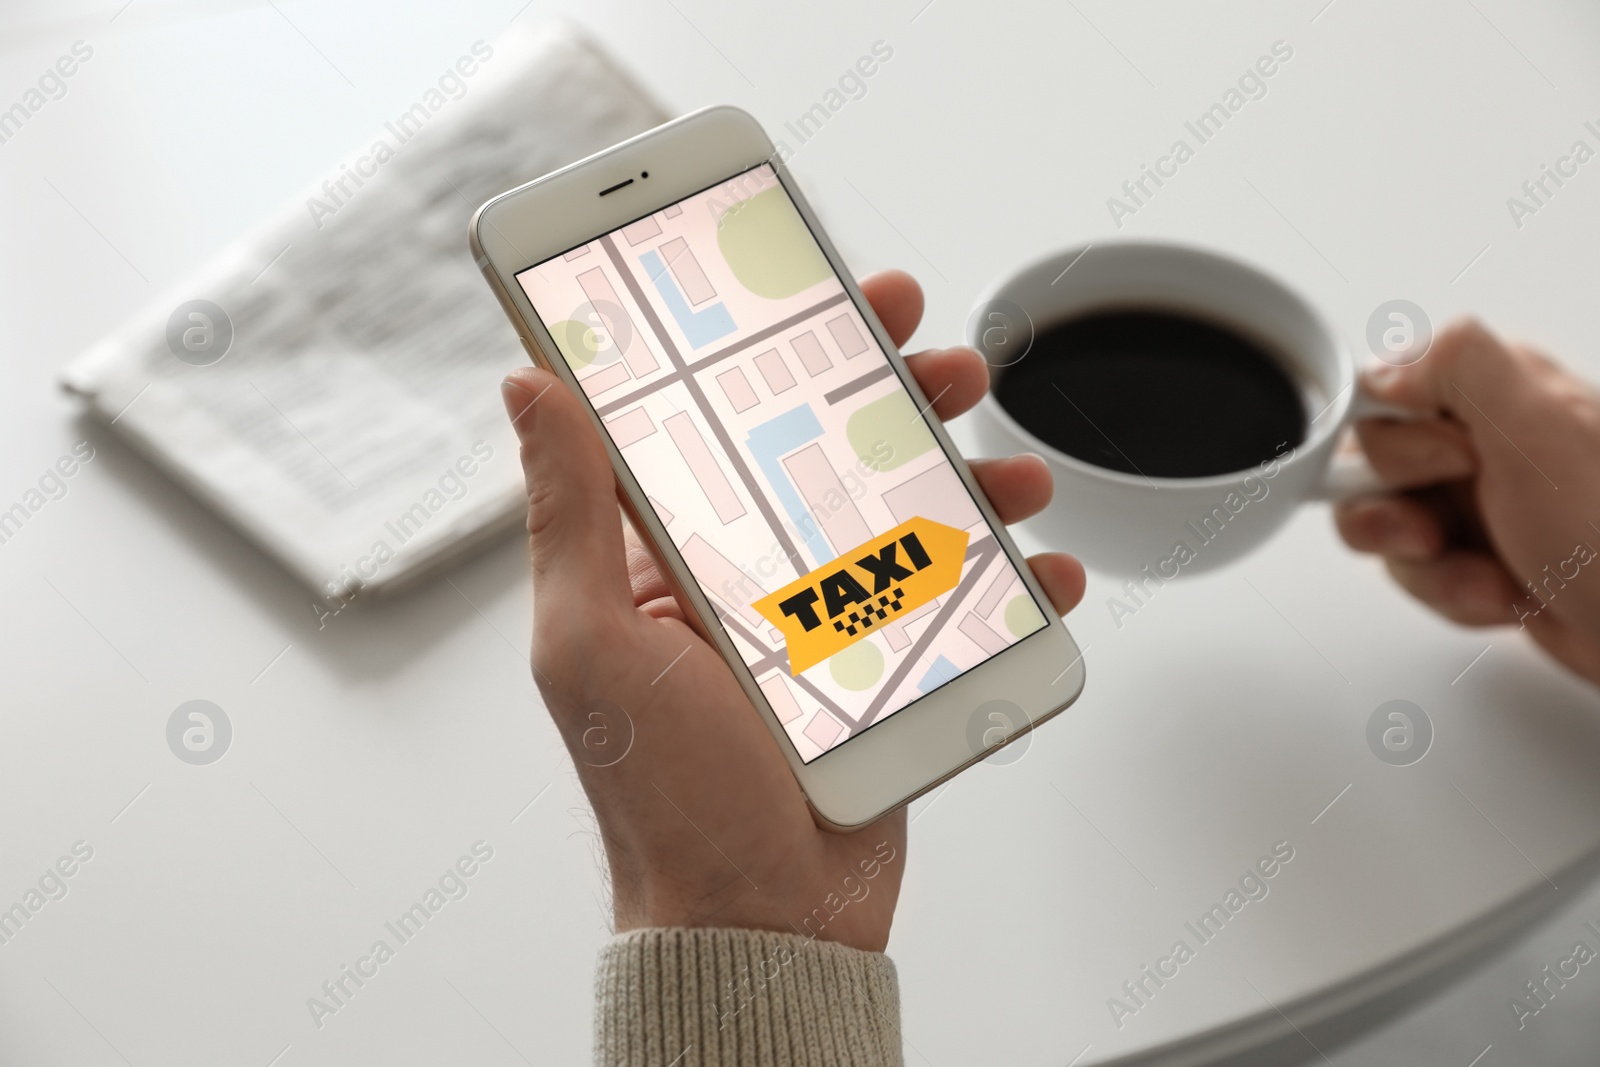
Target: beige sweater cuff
(724, 997)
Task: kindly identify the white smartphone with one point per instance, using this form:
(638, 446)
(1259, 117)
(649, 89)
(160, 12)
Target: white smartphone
(808, 509)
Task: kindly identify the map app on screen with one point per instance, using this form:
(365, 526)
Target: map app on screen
(844, 556)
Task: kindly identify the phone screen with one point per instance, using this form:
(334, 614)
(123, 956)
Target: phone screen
(788, 462)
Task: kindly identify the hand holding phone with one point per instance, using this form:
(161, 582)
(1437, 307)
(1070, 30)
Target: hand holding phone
(702, 821)
(791, 481)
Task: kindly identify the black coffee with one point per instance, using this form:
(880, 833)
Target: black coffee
(1156, 393)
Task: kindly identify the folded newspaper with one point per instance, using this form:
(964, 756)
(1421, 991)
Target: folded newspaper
(329, 383)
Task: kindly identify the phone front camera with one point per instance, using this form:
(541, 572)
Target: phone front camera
(644, 174)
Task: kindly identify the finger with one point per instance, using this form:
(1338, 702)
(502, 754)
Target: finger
(1467, 371)
(954, 379)
(1392, 526)
(665, 607)
(1018, 487)
(897, 299)
(574, 527)
(1411, 454)
(1062, 577)
(1469, 588)
(643, 574)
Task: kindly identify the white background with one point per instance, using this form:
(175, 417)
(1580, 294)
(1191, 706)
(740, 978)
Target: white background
(1223, 717)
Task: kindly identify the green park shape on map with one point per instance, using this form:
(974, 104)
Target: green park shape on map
(768, 247)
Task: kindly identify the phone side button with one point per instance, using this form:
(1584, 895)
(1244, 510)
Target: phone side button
(533, 351)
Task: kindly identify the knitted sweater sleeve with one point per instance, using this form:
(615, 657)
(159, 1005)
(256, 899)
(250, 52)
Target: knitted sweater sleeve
(752, 998)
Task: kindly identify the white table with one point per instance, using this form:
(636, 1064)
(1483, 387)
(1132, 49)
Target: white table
(1227, 715)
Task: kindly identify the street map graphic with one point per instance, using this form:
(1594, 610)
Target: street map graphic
(844, 555)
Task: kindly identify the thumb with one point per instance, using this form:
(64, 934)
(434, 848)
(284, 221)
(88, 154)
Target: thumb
(1467, 372)
(574, 527)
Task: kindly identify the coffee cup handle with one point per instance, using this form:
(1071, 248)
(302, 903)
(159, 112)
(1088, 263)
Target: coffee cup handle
(1349, 474)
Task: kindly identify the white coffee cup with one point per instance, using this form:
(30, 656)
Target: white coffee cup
(1124, 523)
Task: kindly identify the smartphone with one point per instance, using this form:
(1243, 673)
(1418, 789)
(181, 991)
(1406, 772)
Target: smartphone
(803, 502)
